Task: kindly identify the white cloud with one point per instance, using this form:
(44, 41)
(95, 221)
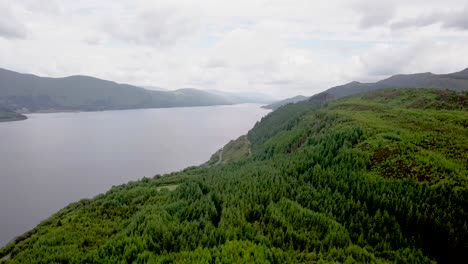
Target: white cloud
(10, 27)
(160, 25)
(422, 56)
(375, 13)
(280, 47)
(454, 18)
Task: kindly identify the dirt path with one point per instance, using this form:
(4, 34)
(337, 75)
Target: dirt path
(220, 157)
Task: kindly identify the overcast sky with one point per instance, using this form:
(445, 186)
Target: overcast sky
(280, 47)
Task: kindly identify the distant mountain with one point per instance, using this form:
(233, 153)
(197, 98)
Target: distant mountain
(8, 115)
(291, 100)
(243, 97)
(455, 81)
(233, 97)
(196, 97)
(30, 93)
(154, 88)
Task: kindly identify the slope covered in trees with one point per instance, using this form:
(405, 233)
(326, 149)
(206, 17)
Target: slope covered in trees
(374, 178)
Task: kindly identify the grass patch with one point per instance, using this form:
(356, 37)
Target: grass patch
(170, 188)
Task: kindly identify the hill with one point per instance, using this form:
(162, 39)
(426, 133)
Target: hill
(378, 177)
(455, 81)
(7, 115)
(281, 103)
(29, 93)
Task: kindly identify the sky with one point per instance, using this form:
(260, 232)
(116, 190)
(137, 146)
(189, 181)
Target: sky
(278, 47)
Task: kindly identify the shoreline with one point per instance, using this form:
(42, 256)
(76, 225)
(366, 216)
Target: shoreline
(54, 111)
(20, 118)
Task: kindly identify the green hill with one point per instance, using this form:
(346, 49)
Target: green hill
(457, 81)
(373, 178)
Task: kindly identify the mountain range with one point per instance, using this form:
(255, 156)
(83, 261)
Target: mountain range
(457, 81)
(29, 93)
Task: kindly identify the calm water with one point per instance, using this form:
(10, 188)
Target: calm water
(50, 160)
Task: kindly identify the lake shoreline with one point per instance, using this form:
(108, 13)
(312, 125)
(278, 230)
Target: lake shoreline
(53, 111)
(21, 118)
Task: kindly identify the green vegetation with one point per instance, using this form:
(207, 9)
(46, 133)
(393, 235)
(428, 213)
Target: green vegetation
(7, 115)
(373, 178)
(235, 150)
(168, 187)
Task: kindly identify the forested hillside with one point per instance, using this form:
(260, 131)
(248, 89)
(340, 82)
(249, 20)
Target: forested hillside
(373, 178)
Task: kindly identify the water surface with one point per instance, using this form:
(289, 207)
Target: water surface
(50, 160)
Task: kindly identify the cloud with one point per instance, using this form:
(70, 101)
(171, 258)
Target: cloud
(422, 56)
(49, 7)
(375, 13)
(455, 19)
(10, 26)
(279, 47)
(161, 25)
(216, 63)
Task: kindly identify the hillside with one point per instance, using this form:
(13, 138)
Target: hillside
(281, 103)
(29, 93)
(379, 177)
(7, 115)
(455, 81)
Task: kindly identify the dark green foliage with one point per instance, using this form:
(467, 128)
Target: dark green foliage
(7, 115)
(374, 178)
(233, 151)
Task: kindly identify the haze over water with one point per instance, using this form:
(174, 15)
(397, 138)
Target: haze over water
(51, 160)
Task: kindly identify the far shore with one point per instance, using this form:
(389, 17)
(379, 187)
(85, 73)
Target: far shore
(54, 111)
(19, 118)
